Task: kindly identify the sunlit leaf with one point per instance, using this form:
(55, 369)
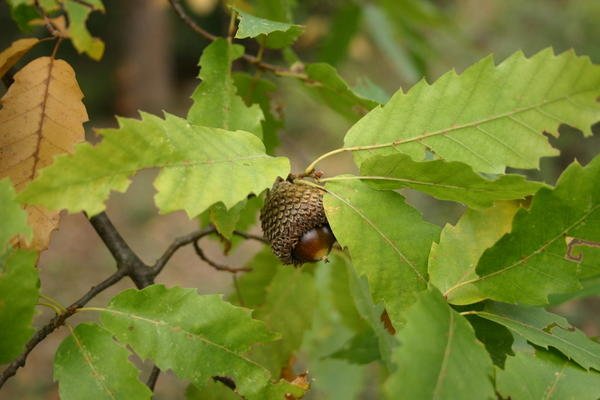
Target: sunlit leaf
(437, 346)
(272, 34)
(14, 219)
(548, 376)
(388, 241)
(288, 309)
(489, 117)
(200, 166)
(10, 56)
(19, 283)
(83, 41)
(90, 364)
(530, 263)
(329, 87)
(216, 102)
(42, 116)
(195, 336)
(453, 260)
(255, 90)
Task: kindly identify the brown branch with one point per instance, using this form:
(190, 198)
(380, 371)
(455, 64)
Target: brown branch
(254, 60)
(215, 265)
(56, 322)
(178, 243)
(141, 274)
(151, 382)
(189, 22)
(249, 236)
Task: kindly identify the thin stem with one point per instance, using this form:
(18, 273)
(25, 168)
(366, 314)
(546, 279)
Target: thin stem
(88, 309)
(189, 22)
(56, 46)
(232, 28)
(175, 4)
(51, 306)
(53, 301)
(249, 236)
(469, 313)
(177, 244)
(215, 265)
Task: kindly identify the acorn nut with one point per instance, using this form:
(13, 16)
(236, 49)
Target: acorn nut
(294, 222)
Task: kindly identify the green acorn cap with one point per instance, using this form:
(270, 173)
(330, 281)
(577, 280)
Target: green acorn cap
(290, 211)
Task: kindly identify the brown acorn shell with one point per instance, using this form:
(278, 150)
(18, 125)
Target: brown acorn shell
(289, 212)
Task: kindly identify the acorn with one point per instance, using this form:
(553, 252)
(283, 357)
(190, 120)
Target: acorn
(294, 222)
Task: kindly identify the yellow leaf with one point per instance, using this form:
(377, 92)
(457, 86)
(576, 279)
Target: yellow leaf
(11, 55)
(42, 116)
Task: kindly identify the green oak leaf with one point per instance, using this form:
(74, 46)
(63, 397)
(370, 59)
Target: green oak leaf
(362, 348)
(530, 263)
(488, 117)
(80, 36)
(548, 376)
(90, 364)
(328, 86)
(387, 239)
(19, 285)
(546, 330)
(256, 90)
(437, 346)
(453, 260)
(211, 390)
(253, 285)
(13, 217)
(444, 180)
(216, 103)
(273, 34)
(288, 308)
(372, 315)
(195, 336)
(191, 158)
(496, 338)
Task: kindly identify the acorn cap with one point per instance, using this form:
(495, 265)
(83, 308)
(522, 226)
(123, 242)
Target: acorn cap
(289, 212)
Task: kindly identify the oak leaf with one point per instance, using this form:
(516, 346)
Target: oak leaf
(42, 116)
(14, 52)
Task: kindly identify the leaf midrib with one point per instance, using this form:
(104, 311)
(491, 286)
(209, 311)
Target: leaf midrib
(380, 233)
(158, 322)
(477, 123)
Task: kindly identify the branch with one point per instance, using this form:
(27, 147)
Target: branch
(215, 265)
(256, 61)
(178, 243)
(141, 274)
(153, 378)
(56, 322)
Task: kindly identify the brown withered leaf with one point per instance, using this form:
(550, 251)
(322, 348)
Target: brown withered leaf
(14, 52)
(42, 116)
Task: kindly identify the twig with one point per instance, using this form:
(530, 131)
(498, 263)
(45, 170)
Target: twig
(249, 236)
(51, 29)
(178, 243)
(215, 265)
(256, 61)
(189, 22)
(151, 383)
(56, 322)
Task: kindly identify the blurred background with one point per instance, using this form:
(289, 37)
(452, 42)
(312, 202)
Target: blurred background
(378, 46)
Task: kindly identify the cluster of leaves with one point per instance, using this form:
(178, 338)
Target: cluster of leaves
(462, 306)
